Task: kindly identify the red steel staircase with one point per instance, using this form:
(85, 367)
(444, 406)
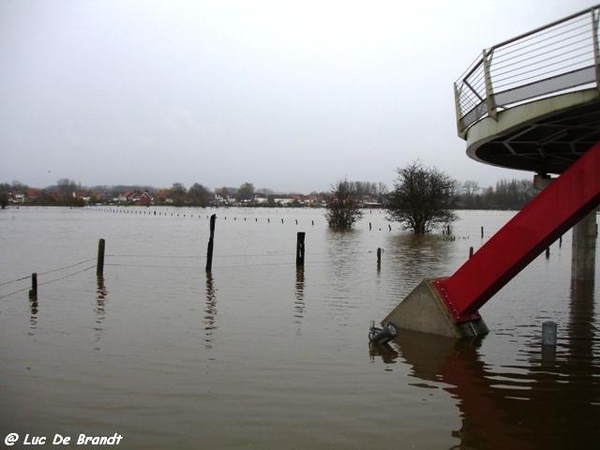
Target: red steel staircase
(569, 198)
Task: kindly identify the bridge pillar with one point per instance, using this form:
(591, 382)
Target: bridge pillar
(583, 260)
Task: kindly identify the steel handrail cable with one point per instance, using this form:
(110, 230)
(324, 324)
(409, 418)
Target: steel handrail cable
(534, 57)
(581, 61)
(540, 74)
(587, 48)
(537, 76)
(579, 58)
(550, 28)
(537, 38)
(584, 37)
(528, 41)
(473, 86)
(471, 99)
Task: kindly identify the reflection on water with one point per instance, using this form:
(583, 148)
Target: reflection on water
(343, 272)
(210, 310)
(341, 245)
(416, 257)
(502, 407)
(33, 312)
(581, 330)
(299, 303)
(529, 405)
(100, 309)
(384, 351)
(289, 369)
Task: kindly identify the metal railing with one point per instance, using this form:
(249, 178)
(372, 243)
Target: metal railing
(554, 59)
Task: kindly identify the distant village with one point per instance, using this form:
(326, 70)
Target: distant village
(231, 198)
(507, 194)
(73, 195)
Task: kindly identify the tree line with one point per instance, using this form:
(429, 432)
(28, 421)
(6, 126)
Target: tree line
(507, 194)
(425, 198)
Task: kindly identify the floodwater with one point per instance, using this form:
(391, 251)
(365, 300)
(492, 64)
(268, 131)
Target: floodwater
(259, 354)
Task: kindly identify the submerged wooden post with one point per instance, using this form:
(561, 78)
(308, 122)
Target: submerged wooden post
(33, 290)
(549, 333)
(209, 253)
(379, 258)
(300, 248)
(470, 252)
(481, 232)
(100, 261)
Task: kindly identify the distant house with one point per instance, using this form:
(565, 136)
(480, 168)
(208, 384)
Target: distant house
(18, 197)
(126, 197)
(145, 199)
(283, 201)
(136, 197)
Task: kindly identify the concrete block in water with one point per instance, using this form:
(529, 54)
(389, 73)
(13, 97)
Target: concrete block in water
(424, 310)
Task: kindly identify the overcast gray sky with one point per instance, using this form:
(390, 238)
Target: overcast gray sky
(288, 95)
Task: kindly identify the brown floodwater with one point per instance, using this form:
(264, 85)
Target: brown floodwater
(260, 354)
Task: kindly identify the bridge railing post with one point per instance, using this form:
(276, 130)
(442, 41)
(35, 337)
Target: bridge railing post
(489, 89)
(458, 109)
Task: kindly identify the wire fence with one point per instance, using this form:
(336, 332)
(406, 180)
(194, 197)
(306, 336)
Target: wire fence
(47, 282)
(145, 261)
(191, 261)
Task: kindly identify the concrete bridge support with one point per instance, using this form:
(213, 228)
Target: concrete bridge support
(583, 260)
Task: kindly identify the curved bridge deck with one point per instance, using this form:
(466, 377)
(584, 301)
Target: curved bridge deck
(533, 102)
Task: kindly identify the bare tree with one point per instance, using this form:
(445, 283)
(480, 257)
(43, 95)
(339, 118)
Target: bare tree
(246, 192)
(178, 192)
(343, 207)
(198, 195)
(422, 199)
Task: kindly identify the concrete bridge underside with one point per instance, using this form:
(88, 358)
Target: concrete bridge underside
(545, 136)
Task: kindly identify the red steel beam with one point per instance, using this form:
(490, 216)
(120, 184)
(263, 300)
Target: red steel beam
(556, 209)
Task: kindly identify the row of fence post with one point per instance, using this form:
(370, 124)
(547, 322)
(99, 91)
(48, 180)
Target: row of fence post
(547, 248)
(300, 254)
